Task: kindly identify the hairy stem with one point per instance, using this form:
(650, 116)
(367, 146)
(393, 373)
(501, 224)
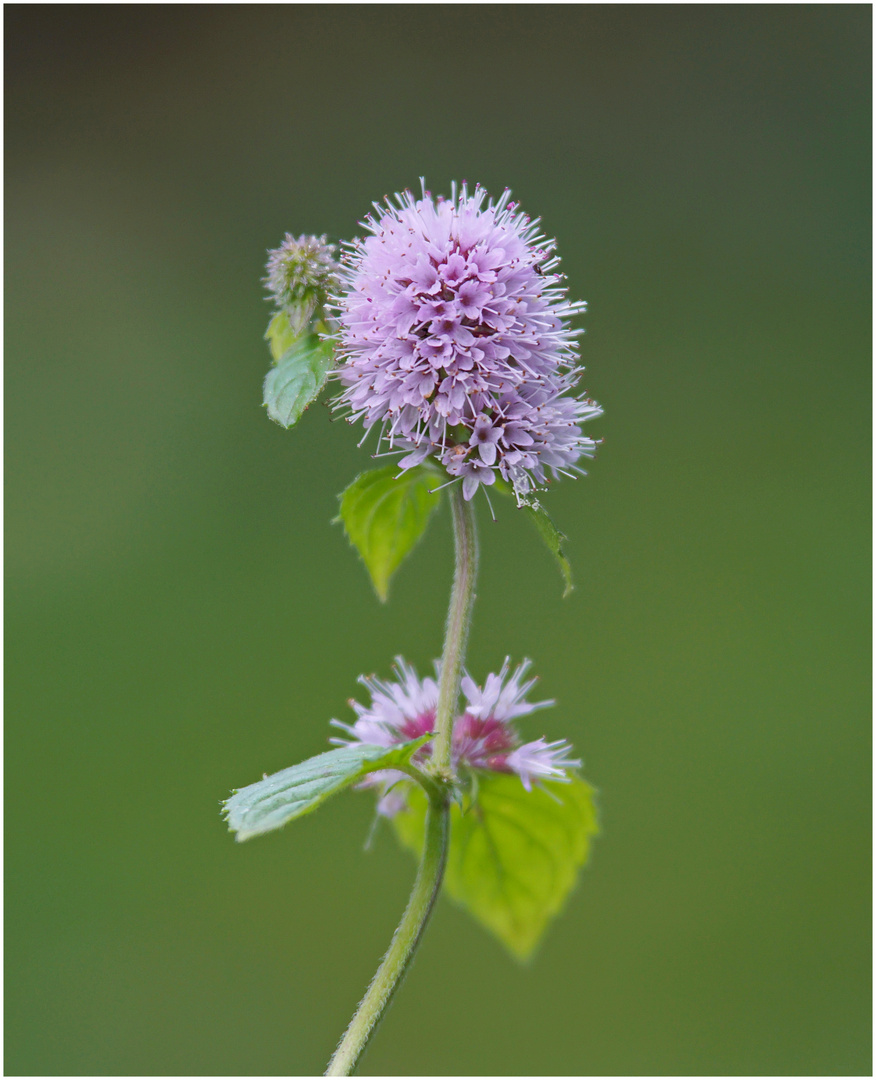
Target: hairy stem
(428, 882)
(465, 539)
(403, 945)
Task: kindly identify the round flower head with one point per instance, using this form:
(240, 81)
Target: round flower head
(455, 337)
(484, 736)
(301, 273)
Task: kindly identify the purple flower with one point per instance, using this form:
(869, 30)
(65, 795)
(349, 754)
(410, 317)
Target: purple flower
(484, 736)
(455, 338)
(301, 273)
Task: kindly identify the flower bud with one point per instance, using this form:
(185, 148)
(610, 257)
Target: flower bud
(301, 273)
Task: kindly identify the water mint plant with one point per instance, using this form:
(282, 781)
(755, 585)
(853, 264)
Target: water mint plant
(447, 330)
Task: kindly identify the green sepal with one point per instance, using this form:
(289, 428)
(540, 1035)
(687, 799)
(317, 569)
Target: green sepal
(384, 515)
(276, 800)
(514, 855)
(298, 377)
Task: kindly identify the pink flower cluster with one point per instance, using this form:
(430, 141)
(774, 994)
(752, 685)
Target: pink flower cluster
(455, 338)
(484, 736)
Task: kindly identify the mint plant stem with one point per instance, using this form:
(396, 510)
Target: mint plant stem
(404, 942)
(431, 871)
(462, 598)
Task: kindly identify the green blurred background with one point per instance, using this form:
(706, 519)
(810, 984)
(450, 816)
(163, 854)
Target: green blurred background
(182, 616)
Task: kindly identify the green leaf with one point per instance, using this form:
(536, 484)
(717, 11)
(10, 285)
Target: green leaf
(553, 538)
(384, 516)
(297, 379)
(270, 803)
(546, 529)
(280, 335)
(514, 855)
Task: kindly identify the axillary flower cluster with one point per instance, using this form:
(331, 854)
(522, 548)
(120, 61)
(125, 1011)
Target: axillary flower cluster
(455, 339)
(484, 736)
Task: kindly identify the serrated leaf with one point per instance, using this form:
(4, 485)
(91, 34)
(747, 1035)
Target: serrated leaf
(553, 538)
(297, 379)
(276, 800)
(384, 516)
(514, 855)
(279, 334)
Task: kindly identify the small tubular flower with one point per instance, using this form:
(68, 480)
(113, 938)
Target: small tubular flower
(484, 736)
(541, 760)
(455, 338)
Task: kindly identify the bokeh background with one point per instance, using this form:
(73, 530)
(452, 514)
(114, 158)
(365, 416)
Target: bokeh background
(182, 616)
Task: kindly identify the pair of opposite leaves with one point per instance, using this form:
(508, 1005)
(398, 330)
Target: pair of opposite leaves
(513, 855)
